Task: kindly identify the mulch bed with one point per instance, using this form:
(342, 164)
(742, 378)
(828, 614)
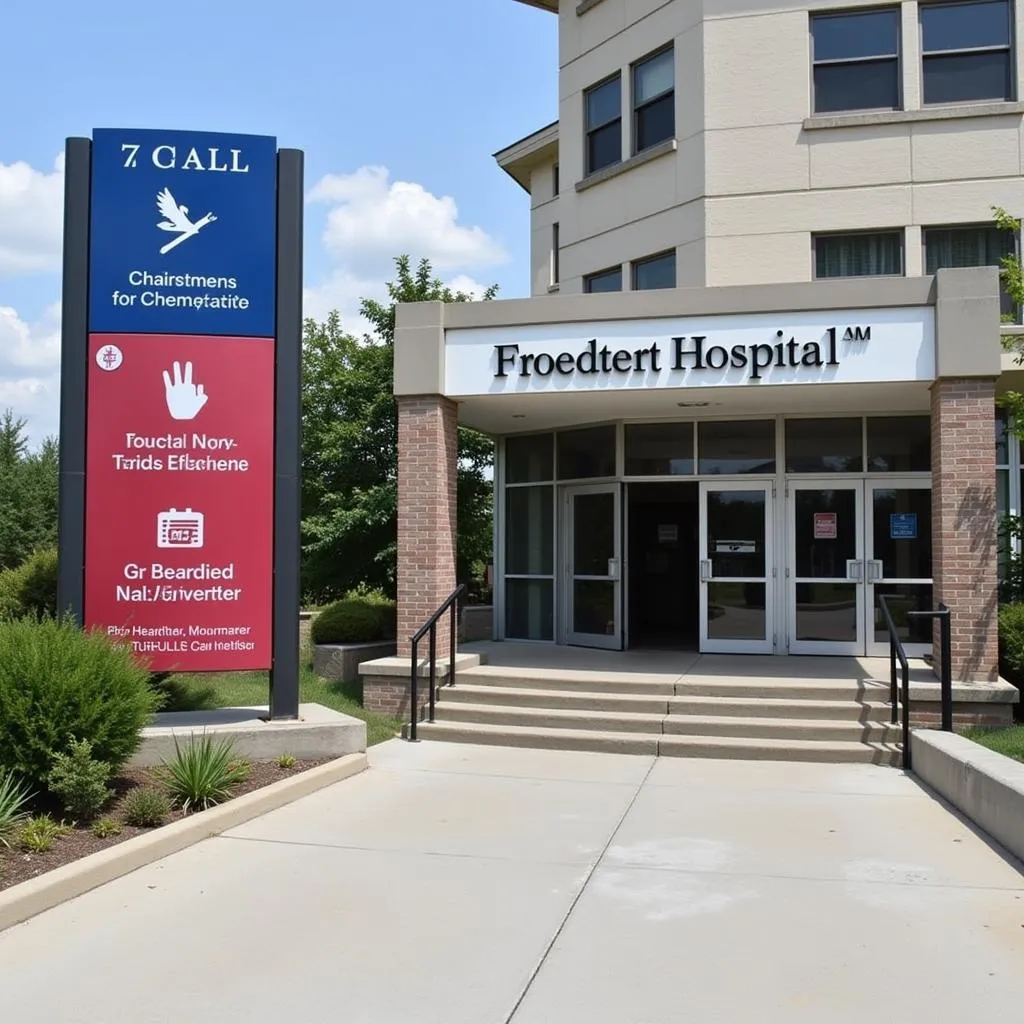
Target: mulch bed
(17, 865)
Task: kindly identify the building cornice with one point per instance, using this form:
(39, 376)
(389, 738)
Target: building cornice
(520, 158)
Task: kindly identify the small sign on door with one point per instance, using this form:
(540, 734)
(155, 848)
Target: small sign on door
(903, 526)
(826, 526)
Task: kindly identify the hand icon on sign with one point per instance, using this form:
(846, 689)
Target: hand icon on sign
(184, 399)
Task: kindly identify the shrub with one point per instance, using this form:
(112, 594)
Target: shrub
(356, 619)
(202, 774)
(31, 588)
(286, 761)
(105, 828)
(58, 684)
(80, 781)
(14, 799)
(1011, 643)
(37, 834)
(146, 807)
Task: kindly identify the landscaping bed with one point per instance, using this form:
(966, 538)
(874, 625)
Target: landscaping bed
(74, 841)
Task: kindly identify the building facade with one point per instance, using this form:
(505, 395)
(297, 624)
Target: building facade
(782, 403)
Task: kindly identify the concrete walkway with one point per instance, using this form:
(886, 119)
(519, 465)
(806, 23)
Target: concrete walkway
(455, 884)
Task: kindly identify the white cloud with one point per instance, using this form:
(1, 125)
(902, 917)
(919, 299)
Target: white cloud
(371, 220)
(31, 214)
(29, 369)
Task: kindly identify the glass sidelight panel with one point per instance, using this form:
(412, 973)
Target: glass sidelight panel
(529, 609)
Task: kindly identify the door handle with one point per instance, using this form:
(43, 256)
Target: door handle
(854, 569)
(705, 571)
(874, 570)
(613, 568)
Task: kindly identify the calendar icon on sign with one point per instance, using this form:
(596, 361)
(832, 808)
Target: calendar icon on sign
(176, 529)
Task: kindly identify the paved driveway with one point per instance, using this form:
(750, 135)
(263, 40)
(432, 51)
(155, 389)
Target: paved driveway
(456, 884)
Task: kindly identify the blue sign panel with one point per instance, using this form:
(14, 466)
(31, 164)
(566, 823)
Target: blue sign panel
(903, 526)
(183, 233)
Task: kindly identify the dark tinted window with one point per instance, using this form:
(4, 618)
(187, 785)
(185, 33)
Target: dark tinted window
(899, 444)
(530, 457)
(657, 272)
(659, 449)
(585, 453)
(966, 51)
(604, 124)
(824, 445)
(744, 446)
(856, 60)
(858, 255)
(604, 281)
(654, 100)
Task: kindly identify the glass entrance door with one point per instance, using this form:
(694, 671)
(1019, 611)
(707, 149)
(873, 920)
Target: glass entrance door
(899, 562)
(825, 571)
(736, 568)
(592, 545)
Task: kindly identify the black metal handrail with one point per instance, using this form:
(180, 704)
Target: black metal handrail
(430, 626)
(898, 653)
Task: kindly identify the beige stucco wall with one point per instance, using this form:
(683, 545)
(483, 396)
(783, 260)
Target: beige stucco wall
(753, 175)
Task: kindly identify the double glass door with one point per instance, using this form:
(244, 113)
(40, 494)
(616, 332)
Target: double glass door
(849, 543)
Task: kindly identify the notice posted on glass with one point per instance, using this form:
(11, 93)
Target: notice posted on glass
(179, 499)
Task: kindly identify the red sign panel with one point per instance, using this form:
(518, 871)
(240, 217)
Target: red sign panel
(825, 526)
(179, 520)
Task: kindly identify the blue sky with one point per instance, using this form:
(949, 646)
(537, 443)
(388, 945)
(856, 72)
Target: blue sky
(396, 106)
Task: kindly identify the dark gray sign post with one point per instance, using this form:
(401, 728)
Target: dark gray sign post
(193, 560)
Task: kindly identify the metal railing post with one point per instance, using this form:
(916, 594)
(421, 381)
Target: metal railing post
(894, 696)
(451, 650)
(906, 717)
(433, 668)
(413, 695)
(946, 640)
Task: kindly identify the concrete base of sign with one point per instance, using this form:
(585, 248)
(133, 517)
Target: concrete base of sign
(340, 662)
(317, 732)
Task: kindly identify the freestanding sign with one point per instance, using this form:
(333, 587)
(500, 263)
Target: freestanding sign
(180, 399)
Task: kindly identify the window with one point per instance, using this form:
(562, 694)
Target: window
(824, 445)
(856, 60)
(654, 100)
(859, 255)
(604, 124)
(981, 246)
(899, 444)
(555, 270)
(744, 446)
(966, 51)
(659, 449)
(604, 281)
(587, 452)
(555, 187)
(655, 272)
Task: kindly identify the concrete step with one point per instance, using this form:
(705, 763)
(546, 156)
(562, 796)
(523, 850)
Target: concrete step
(570, 680)
(655, 744)
(639, 683)
(689, 725)
(745, 707)
(516, 696)
(653, 704)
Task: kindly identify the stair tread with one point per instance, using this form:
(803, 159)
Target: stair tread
(737, 742)
(584, 695)
(584, 713)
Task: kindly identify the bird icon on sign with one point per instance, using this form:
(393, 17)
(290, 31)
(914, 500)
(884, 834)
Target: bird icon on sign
(176, 219)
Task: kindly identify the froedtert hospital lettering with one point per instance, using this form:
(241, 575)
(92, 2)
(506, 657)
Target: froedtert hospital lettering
(683, 354)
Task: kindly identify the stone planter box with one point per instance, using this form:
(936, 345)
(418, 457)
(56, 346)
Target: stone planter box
(340, 662)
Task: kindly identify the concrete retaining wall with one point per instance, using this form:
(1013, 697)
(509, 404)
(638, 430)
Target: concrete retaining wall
(985, 786)
(340, 662)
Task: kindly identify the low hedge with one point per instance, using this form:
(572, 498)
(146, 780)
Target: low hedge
(1011, 643)
(31, 588)
(356, 619)
(59, 684)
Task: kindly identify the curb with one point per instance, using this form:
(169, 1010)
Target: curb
(26, 899)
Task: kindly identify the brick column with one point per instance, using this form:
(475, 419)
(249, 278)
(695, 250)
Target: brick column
(964, 522)
(427, 463)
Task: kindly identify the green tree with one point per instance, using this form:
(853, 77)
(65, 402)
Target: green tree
(28, 493)
(349, 457)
